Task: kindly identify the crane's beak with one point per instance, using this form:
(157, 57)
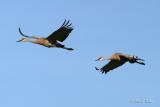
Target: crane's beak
(96, 60)
(20, 40)
(99, 59)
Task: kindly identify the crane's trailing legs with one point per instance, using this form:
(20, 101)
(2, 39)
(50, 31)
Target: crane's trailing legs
(135, 59)
(58, 45)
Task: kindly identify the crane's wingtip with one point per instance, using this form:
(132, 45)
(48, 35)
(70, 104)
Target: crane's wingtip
(96, 68)
(20, 30)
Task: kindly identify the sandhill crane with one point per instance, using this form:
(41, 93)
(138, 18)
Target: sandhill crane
(117, 60)
(52, 40)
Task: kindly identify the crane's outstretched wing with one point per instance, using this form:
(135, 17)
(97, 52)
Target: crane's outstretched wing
(62, 33)
(111, 65)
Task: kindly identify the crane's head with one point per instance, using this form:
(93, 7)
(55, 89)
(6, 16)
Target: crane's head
(23, 40)
(100, 59)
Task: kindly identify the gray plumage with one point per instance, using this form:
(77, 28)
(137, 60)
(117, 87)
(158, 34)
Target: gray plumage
(117, 60)
(53, 40)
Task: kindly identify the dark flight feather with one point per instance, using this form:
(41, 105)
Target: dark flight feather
(61, 34)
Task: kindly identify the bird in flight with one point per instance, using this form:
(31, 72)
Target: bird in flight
(117, 60)
(53, 40)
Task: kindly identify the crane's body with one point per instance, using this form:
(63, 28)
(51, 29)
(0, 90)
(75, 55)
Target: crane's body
(117, 60)
(52, 40)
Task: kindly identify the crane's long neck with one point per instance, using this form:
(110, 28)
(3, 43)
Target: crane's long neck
(29, 40)
(102, 58)
(105, 59)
